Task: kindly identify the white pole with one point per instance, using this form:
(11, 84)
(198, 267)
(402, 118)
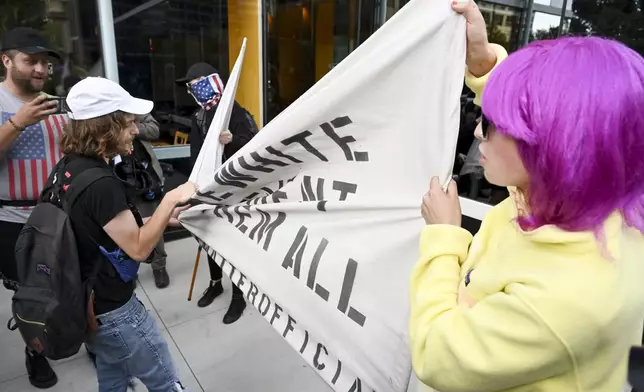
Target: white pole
(108, 40)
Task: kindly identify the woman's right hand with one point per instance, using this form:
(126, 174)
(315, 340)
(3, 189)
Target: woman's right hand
(481, 57)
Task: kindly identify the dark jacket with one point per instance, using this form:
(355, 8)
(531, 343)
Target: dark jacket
(242, 126)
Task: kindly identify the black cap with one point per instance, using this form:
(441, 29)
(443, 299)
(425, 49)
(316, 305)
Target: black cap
(197, 70)
(26, 40)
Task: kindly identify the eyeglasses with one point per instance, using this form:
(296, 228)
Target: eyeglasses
(485, 125)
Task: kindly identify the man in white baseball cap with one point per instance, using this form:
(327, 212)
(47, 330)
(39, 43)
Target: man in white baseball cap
(109, 231)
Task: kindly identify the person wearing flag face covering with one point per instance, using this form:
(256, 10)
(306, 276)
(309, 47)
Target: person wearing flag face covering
(548, 295)
(206, 86)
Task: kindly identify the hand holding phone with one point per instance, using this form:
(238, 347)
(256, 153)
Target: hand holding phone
(32, 112)
(61, 106)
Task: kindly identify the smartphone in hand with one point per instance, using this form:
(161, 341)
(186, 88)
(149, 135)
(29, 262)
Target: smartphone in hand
(61, 105)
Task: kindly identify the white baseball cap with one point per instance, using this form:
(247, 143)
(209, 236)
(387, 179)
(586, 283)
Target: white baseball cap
(95, 97)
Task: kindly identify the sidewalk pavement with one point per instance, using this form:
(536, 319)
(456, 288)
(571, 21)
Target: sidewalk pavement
(246, 356)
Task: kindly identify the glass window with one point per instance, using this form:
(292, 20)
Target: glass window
(157, 44)
(68, 26)
(559, 4)
(394, 6)
(546, 26)
(306, 39)
(503, 24)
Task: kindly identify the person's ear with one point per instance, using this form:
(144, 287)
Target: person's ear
(7, 61)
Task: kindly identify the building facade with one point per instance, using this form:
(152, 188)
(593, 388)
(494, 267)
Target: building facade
(291, 44)
(146, 44)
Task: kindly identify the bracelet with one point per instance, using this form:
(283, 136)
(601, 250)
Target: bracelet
(16, 127)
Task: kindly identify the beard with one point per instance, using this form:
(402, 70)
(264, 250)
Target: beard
(24, 82)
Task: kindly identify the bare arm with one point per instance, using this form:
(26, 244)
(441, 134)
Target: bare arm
(138, 242)
(29, 114)
(481, 56)
(481, 60)
(8, 135)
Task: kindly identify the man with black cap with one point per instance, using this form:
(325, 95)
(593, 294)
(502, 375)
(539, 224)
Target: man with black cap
(206, 86)
(29, 134)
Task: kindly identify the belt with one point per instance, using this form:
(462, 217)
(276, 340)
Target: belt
(18, 203)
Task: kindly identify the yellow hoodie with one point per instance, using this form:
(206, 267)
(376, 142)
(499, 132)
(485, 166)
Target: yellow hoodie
(540, 311)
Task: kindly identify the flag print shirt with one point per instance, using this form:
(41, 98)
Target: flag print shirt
(25, 166)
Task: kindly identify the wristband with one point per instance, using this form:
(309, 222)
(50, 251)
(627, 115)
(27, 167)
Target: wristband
(15, 126)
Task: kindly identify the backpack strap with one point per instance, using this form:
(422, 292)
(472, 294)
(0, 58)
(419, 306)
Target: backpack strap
(80, 183)
(76, 188)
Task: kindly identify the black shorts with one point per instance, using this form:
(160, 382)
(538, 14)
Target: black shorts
(9, 232)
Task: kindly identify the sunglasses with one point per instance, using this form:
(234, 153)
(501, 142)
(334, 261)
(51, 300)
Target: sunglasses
(485, 125)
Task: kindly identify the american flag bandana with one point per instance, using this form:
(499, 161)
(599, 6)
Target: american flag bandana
(207, 90)
(33, 155)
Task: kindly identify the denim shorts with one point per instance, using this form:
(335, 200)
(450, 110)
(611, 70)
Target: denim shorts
(129, 344)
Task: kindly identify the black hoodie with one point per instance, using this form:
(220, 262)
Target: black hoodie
(242, 126)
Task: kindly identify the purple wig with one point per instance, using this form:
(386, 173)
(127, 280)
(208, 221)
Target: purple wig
(576, 108)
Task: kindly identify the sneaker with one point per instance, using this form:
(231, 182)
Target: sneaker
(161, 278)
(213, 291)
(41, 375)
(235, 311)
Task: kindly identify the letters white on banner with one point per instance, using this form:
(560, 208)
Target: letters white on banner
(317, 219)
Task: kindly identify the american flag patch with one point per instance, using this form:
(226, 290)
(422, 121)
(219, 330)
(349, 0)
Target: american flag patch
(207, 91)
(32, 156)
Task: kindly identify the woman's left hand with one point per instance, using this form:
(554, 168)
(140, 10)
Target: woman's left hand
(441, 207)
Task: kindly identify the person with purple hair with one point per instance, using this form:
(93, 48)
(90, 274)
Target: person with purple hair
(548, 295)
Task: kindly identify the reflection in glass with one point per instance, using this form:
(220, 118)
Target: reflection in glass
(156, 45)
(66, 26)
(503, 24)
(306, 39)
(394, 6)
(545, 26)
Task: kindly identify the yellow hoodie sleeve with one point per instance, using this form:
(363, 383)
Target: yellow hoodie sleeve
(477, 84)
(455, 348)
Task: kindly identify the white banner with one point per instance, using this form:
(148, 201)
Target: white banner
(317, 219)
(211, 153)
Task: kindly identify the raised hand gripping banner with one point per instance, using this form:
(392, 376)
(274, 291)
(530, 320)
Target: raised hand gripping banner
(317, 219)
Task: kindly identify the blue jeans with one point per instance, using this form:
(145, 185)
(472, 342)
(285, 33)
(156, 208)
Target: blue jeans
(129, 344)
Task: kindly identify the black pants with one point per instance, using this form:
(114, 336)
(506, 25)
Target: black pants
(9, 232)
(216, 274)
